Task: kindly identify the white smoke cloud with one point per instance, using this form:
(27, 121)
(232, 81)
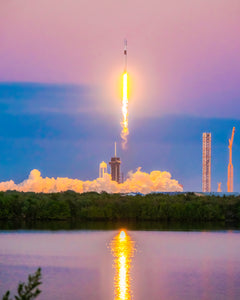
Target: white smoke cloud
(139, 181)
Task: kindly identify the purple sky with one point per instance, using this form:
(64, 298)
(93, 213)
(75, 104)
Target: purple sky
(183, 59)
(183, 55)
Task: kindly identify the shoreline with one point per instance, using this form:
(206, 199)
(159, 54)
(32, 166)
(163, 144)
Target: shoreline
(158, 207)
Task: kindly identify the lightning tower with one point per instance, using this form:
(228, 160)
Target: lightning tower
(230, 165)
(206, 162)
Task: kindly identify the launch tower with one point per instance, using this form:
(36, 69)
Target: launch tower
(115, 167)
(230, 165)
(206, 162)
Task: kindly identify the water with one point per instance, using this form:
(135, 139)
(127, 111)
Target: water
(128, 264)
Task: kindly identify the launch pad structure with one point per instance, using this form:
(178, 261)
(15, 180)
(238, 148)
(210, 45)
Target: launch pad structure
(115, 166)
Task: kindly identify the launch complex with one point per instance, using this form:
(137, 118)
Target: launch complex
(206, 164)
(206, 144)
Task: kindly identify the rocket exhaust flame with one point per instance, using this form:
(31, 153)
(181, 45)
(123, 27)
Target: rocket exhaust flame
(124, 122)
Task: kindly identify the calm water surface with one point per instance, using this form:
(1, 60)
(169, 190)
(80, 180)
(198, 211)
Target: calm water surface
(116, 264)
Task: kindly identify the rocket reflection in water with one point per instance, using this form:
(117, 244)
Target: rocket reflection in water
(122, 247)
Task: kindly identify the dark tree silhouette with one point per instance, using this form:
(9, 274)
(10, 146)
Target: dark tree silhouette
(29, 290)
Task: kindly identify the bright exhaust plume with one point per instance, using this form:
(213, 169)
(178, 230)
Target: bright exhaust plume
(124, 123)
(137, 182)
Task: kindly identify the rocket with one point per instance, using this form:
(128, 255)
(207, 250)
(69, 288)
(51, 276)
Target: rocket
(124, 122)
(125, 56)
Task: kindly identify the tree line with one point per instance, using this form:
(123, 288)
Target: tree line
(94, 206)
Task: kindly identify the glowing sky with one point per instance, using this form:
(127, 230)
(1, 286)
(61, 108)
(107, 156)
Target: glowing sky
(184, 69)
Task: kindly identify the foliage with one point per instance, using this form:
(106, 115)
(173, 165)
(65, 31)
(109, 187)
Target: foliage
(29, 290)
(107, 207)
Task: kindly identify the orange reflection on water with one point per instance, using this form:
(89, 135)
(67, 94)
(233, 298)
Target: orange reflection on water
(122, 247)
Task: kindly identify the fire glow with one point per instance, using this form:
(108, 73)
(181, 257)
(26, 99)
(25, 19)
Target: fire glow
(124, 123)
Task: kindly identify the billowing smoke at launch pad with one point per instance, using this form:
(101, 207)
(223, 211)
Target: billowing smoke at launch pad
(137, 182)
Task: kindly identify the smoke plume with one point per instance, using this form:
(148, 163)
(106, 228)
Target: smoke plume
(139, 181)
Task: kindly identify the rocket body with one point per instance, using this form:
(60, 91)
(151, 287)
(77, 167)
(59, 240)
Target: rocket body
(125, 56)
(125, 47)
